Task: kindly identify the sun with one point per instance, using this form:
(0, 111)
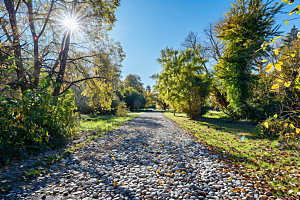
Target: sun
(70, 22)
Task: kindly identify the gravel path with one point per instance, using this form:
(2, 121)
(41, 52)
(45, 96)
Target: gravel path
(149, 157)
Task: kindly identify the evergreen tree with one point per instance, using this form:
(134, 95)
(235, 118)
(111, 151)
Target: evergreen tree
(290, 37)
(243, 29)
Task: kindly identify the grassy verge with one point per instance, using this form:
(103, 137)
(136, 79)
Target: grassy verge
(104, 122)
(273, 169)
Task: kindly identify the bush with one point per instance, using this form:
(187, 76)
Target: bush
(34, 122)
(121, 109)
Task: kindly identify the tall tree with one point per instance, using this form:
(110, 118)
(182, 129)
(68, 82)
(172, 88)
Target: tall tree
(39, 37)
(243, 30)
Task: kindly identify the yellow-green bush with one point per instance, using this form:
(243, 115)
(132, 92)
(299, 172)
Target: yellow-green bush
(34, 122)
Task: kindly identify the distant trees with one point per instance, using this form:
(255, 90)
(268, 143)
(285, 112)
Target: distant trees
(131, 91)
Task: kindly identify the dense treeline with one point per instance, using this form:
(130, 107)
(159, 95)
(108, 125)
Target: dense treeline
(232, 69)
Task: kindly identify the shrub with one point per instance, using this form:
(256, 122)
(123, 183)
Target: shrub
(34, 122)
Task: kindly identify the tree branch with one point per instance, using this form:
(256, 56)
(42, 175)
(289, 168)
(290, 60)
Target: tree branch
(46, 21)
(80, 81)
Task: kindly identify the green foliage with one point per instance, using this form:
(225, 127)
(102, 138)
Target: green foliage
(135, 81)
(121, 109)
(243, 29)
(133, 98)
(34, 121)
(184, 83)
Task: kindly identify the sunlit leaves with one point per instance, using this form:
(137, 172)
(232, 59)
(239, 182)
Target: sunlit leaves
(269, 67)
(266, 124)
(276, 51)
(275, 86)
(278, 67)
(287, 84)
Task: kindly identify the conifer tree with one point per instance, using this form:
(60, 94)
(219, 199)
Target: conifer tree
(243, 30)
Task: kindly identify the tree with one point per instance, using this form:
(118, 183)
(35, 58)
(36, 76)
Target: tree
(133, 98)
(191, 41)
(38, 48)
(134, 81)
(243, 30)
(182, 83)
(148, 88)
(290, 37)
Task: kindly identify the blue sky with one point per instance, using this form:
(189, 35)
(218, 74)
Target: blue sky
(145, 27)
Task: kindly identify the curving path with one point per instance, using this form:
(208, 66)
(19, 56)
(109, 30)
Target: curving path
(149, 157)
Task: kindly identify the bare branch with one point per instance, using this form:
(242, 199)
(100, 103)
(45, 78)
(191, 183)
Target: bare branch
(46, 21)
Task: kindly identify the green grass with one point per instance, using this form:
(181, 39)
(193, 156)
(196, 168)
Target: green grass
(277, 169)
(101, 122)
(35, 172)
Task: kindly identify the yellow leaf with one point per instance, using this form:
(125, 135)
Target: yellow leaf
(297, 130)
(269, 67)
(276, 51)
(275, 86)
(263, 61)
(278, 67)
(80, 189)
(279, 80)
(183, 172)
(160, 182)
(287, 84)
(292, 126)
(115, 184)
(254, 72)
(229, 178)
(148, 168)
(293, 55)
(157, 171)
(266, 124)
(169, 174)
(286, 22)
(60, 185)
(280, 63)
(159, 156)
(286, 124)
(113, 158)
(277, 37)
(275, 116)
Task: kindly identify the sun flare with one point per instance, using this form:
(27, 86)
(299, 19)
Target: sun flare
(70, 23)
